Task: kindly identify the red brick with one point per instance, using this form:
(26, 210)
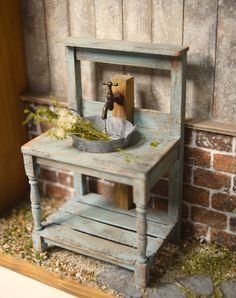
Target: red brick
(194, 230)
(223, 238)
(234, 184)
(208, 217)
(212, 180)
(49, 175)
(161, 188)
(102, 187)
(214, 141)
(185, 211)
(225, 163)
(188, 136)
(197, 157)
(57, 192)
(196, 195)
(65, 179)
(188, 171)
(160, 204)
(232, 223)
(224, 202)
(41, 187)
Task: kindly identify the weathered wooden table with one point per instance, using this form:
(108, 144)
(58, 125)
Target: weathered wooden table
(88, 223)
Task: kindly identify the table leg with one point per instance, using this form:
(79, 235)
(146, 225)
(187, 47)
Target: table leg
(32, 171)
(141, 273)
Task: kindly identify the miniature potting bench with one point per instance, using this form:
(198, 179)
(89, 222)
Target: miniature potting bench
(88, 223)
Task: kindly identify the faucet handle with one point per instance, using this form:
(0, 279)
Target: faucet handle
(110, 84)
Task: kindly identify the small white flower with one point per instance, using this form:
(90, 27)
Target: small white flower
(60, 133)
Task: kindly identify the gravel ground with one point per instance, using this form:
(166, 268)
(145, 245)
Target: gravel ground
(173, 263)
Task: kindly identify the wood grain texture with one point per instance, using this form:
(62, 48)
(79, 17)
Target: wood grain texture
(109, 44)
(108, 15)
(200, 32)
(167, 22)
(84, 26)
(74, 87)
(101, 230)
(13, 184)
(123, 193)
(96, 200)
(105, 240)
(70, 286)
(126, 88)
(137, 27)
(225, 72)
(57, 24)
(110, 163)
(85, 244)
(36, 49)
(113, 217)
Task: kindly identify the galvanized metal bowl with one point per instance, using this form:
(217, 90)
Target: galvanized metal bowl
(119, 130)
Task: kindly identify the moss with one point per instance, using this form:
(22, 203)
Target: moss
(194, 258)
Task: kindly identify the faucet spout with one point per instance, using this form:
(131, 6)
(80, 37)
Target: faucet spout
(104, 111)
(111, 99)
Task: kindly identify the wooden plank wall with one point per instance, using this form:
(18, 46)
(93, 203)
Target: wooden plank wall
(13, 184)
(206, 26)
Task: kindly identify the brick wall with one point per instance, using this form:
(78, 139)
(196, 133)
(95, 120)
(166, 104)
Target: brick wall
(209, 207)
(210, 186)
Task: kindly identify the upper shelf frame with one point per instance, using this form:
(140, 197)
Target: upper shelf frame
(126, 46)
(150, 55)
(157, 56)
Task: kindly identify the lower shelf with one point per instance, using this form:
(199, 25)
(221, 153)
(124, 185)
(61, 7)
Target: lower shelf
(91, 226)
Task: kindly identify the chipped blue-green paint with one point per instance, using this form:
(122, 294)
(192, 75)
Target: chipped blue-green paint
(86, 224)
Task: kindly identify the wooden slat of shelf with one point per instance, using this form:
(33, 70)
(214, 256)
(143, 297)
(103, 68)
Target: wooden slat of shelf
(88, 245)
(99, 201)
(114, 218)
(67, 285)
(101, 230)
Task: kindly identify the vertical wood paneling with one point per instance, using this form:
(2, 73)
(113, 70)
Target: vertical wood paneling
(108, 26)
(137, 27)
(36, 46)
(200, 33)
(57, 25)
(82, 24)
(225, 73)
(167, 23)
(161, 21)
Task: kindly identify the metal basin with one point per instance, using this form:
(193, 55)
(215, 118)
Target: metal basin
(119, 130)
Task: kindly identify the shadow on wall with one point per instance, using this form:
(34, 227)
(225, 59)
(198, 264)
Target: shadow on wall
(199, 93)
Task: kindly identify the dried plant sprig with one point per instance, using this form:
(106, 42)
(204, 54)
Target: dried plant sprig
(65, 123)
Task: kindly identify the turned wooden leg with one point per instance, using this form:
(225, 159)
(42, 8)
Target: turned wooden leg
(35, 203)
(32, 170)
(141, 273)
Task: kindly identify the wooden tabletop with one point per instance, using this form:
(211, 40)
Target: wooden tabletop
(143, 157)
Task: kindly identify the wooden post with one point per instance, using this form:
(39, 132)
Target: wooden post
(123, 193)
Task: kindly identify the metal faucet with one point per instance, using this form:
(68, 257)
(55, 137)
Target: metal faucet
(111, 98)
